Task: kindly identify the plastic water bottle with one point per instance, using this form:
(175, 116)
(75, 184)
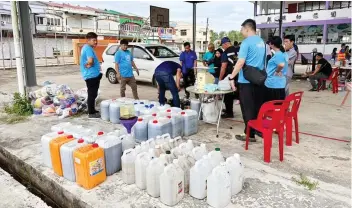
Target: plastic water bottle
(114, 112)
(104, 110)
(219, 187)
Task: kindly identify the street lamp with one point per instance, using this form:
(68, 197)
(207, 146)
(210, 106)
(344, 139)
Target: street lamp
(194, 20)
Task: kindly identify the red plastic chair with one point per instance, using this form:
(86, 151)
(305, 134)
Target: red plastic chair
(292, 114)
(268, 125)
(333, 78)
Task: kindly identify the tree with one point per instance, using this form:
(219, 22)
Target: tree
(222, 34)
(235, 36)
(213, 36)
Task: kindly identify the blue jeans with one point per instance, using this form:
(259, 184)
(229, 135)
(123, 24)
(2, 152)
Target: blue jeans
(166, 81)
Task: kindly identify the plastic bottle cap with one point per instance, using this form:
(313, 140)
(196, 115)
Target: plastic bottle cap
(151, 105)
(168, 111)
(154, 114)
(141, 103)
(169, 116)
(168, 152)
(100, 133)
(217, 149)
(69, 137)
(80, 141)
(95, 145)
(146, 106)
(183, 113)
(140, 119)
(60, 132)
(155, 121)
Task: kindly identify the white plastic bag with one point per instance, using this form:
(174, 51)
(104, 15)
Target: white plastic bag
(225, 84)
(210, 112)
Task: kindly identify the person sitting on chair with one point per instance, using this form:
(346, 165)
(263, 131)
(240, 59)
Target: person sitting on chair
(164, 77)
(322, 71)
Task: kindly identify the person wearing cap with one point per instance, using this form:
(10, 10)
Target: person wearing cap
(322, 71)
(188, 59)
(252, 53)
(228, 60)
(164, 75)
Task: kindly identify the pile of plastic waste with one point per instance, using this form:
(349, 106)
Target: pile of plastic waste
(60, 100)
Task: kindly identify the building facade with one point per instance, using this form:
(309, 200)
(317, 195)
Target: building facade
(323, 25)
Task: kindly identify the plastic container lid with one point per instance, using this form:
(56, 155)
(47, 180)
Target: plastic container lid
(154, 114)
(168, 152)
(95, 145)
(169, 116)
(155, 121)
(100, 133)
(80, 141)
(217, 149)
(151, 105)
(183, 113)
(69, 137)
(168, 110)
(60, 132)
(146, 106)
(140, 119)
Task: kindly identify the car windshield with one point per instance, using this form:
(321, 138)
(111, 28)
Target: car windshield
(161, 52)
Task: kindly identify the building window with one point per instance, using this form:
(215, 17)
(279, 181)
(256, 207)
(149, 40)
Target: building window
(183, 32)
(204, 33)
(341, 4)
(40, 20)
(311, 6)
(6, 18)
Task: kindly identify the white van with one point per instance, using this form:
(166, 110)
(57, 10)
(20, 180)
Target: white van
(146, 57)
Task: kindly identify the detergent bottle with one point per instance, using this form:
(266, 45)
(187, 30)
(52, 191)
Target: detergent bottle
(45, 140)
(55, 146)
(154, 169)
(216, 157)
(236, 169)
(128, 166)
(171, 184)
(141, 163)
(190, 122)
(66, 154)
(89, 166)
(112, 147)
(198, 178)
(199, 151)
(219, 187)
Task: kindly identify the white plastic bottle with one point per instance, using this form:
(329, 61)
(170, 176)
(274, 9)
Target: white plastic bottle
(171, 184)
(178, 140)
(128, 167)
(127, 142)
(216, 157)
(104, 110)
(154, 169)
(144, 147)
(176, 152)
(236, 169)
(198, 178)
(187, 148)
(199, 151)
(186, 166)
(219, 187)
(141, 129)
(151, 143)
(114, 112)
(141, 163)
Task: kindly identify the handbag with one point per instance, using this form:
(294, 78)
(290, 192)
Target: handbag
(253, 74)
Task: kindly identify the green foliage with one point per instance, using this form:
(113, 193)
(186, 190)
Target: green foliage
(12, 119)
(233, 35)
(213, 36)
(20, 106)
(305, 181)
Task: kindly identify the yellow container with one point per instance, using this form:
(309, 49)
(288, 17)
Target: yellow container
(204, 78)
(89, 166)
(55, 145)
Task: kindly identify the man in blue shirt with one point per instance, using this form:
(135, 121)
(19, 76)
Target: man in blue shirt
(164, 76)
(90, 70)
(252, 53)
(124, 72)
(188, 59)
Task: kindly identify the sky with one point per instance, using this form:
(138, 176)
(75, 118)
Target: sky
(223, 15)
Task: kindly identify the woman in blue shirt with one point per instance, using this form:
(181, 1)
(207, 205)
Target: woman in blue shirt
(276, 70)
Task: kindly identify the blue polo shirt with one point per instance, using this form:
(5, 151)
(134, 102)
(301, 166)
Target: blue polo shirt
(124, 60)
(188, 59)
(252, 51)
(208, 56)
(169, 67)
(94, 71)
(272, 80)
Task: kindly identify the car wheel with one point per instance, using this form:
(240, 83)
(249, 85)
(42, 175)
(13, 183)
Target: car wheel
(111, 75)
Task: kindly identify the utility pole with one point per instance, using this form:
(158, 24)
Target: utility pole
(206, 34)
(280, 19)
(16, 38)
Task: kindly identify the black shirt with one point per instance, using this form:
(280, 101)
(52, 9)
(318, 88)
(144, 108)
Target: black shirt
(230, 57)
(325, 67)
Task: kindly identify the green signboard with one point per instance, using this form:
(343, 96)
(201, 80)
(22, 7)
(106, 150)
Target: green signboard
(124, 20)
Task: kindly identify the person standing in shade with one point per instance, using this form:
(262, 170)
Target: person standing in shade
(188, 59)
(208, 58)
(228, 60)
(252, 53)
(90, 70)
(124, 72)
(164, 75)
(276, 70)
(292, 57)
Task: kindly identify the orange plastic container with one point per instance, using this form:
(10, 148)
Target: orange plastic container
(89, 166)
(55, 145)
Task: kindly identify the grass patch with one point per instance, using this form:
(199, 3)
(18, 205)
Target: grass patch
(306, 182)
(13, 119)
(20, 106)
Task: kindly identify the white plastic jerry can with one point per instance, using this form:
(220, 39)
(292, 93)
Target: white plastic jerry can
(91, 138)
(158, 127)
(198, 178)
(151, 143)
(186, 166)
(187, 147)
(195, 105)
(176, 124)
(127, 141)
(141, 129)
(67, 161)
(190, 122)
(236, 169)
(219, 187)
(171, 185)
(199, 151)
(104, 110)
(216, 157)
(154, 169)
(114, 112)
(60, 126)
(178, 140)
(163, 107)
(128, 166)
(176, 152)
(141, 163)
(144, 147)
(45, 140)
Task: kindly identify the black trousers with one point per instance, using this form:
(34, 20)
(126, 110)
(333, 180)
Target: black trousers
(189, 79)
(274, 94)
(229, 98)
(251, 99)
(93, 87)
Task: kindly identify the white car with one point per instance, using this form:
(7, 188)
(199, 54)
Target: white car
(146, 57)
(175, 49)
